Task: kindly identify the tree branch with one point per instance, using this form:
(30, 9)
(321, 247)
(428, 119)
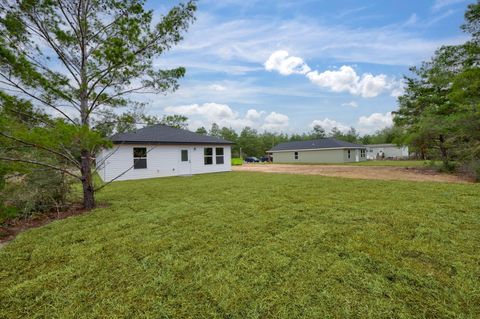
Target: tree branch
(41, 164)
(72, 160)
(11, 83)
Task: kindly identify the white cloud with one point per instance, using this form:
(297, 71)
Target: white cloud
(217, 87)
(328, 124)
(208, 113)
(238, 46)
(365, 124)
(439, 4)
(254, 115)
(211, 111)
(283, 63)
(351, 104)
(275, 122)
(396, 88)
(346, 80)
(375, 121)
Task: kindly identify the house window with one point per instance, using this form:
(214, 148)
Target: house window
(296, 155)
(348, 153)
(362, 153)
(219, 155)
(208, 156)
(184, 155)
(139, 157)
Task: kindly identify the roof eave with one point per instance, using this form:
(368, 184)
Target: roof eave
(172, 143)
(317, 149)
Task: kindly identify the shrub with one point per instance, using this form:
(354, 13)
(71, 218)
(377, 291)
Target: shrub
(36, 192)
(472, 169)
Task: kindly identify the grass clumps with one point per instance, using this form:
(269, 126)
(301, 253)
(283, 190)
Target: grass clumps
(249, 245)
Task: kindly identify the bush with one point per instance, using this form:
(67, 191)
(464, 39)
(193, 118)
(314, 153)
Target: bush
(237, 161)
(36, 192)
(472, 169)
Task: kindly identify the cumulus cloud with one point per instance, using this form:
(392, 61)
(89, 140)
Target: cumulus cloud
(208, 113)
(346, 79)
(396, 88)
(254, 115)
(275, 122)
(283, 63)
(211, 111)
(328, 124)
(365, 124)
(376, 119)
(374, 122)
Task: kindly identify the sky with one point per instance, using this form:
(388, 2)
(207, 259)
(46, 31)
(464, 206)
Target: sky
(285, 66)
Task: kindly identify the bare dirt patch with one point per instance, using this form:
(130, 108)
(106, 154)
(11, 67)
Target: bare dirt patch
(361, 172)
(10, 229)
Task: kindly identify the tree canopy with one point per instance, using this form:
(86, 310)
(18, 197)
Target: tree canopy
(79, 61)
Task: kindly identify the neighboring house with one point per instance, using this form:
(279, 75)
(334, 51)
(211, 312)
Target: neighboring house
(380, 151)
(159, 150)
(327, 150)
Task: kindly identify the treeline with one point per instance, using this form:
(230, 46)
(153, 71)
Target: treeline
(439, 114)
(250, 142)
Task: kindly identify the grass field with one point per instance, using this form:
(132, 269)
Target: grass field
(249, 245)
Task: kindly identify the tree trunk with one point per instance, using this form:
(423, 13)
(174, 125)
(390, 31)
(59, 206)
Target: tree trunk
(443, 151)
(86, 164)
(87, 182)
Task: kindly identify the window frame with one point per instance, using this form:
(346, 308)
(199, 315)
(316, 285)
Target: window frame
(295, 155)
(222, 156)
(349, 153)
(182, 152)
(207, 157)
(137, 160)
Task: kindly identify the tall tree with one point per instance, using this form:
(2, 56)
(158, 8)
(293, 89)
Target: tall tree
(177, 121)
(201, 130)
(215, 130)
(318, 132)
(78, 58)
(440, 110)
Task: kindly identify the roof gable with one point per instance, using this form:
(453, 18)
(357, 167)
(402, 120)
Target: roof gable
(323, 143)
(163, 134)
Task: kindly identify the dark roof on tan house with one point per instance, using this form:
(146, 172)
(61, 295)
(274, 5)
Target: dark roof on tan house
(324, 143)
(163, 134)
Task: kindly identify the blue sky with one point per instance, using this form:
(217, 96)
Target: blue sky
(287, 65)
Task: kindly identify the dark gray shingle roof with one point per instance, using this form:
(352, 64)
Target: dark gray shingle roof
(162, 134)
(315, 144)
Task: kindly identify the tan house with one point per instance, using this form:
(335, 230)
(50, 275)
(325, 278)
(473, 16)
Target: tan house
(326, 150)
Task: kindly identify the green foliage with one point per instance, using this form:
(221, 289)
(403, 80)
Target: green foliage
(177, 121)
(251, 245)
(439, 114)
(237, 161)
(40, 190)
(82, 60)
(201, 130)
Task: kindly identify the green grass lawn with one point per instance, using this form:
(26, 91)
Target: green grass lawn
(249, 245)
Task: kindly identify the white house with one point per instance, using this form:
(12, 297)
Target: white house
(378, 151)
(159, 150)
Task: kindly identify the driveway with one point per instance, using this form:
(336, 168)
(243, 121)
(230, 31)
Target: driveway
(362, 172)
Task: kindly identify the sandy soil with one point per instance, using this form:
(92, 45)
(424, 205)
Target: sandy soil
(362, 172)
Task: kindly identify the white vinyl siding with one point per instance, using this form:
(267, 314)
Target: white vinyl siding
(163, 160)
